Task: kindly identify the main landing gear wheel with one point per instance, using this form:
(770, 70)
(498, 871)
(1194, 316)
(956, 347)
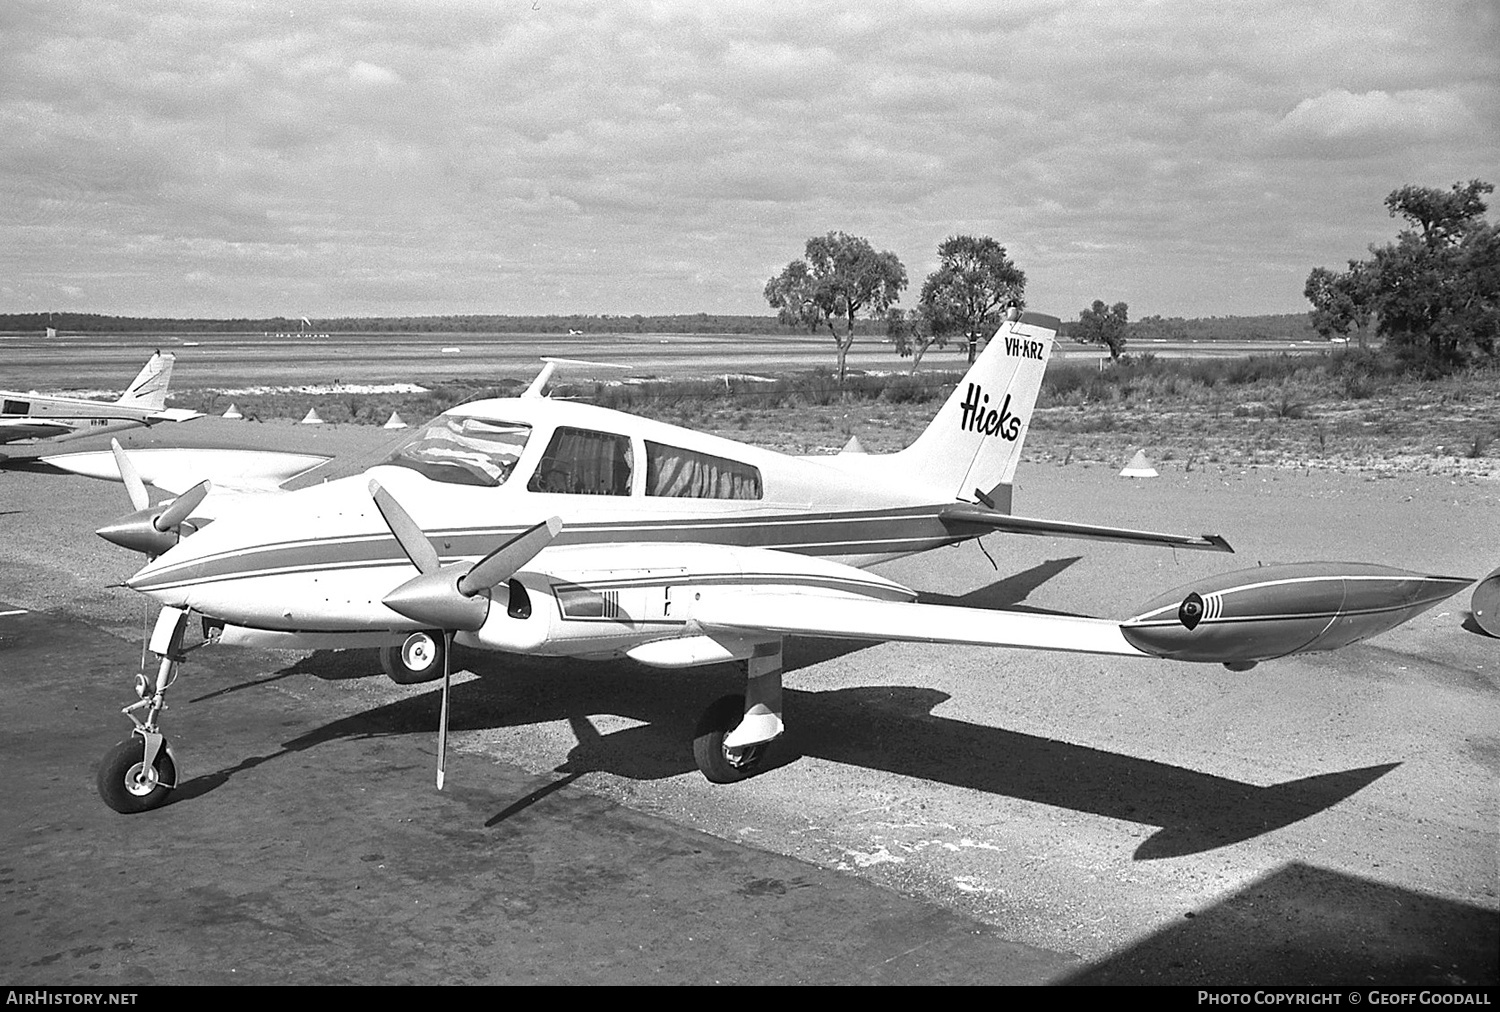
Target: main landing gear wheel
(419, 659)
(128, 785)
(718, 764)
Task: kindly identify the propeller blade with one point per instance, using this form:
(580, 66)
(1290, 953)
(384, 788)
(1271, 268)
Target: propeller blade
(408, 535)
(501, 564)
(182, 506)
(130, 476)
(443, 715)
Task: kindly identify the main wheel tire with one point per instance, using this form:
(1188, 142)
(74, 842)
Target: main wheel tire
(125, 782)
(418, 660)
(723, 716)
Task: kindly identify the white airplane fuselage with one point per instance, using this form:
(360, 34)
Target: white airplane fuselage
(626, 569)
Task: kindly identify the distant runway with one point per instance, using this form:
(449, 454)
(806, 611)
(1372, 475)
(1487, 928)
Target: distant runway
(210, 361)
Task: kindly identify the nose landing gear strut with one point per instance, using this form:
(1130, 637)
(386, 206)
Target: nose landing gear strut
(140, 772)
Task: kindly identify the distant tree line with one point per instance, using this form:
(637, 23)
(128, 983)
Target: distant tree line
(1112, 327)
(690, 323)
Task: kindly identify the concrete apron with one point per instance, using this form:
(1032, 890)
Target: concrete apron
(306, 845)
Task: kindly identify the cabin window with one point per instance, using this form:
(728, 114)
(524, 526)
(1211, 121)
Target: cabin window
(464, 450)
(584, 462)
(673, 471)
(17, 407)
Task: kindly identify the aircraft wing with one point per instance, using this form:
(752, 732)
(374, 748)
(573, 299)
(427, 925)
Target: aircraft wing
(970, 516)
(175, 469)
(867, 619)
(12, 429)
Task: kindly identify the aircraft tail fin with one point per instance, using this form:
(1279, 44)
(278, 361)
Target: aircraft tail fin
(149, 389)
(971, 449)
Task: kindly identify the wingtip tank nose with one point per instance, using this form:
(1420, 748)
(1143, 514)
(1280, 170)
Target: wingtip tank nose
(1259, 614)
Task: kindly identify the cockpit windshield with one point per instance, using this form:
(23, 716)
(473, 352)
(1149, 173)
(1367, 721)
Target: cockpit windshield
(464, 450)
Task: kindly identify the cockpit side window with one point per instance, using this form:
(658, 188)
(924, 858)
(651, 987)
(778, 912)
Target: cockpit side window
(584, 462)
(464, 450)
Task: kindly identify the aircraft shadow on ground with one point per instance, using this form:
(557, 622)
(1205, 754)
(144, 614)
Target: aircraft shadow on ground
(1007, 593)
(1471, 624)
(888, 728)
(1312, 927)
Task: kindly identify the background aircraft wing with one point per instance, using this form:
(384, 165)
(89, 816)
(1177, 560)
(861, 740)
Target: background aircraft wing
(865, 619)
(12, 429)
(968, 516)
(176, 470)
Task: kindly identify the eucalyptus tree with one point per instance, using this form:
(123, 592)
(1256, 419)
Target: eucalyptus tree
(975, 281)
(1106, 325)
(838, 277)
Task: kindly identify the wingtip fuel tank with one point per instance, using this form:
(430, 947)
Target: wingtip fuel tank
(1485, 604)
(1252, 615)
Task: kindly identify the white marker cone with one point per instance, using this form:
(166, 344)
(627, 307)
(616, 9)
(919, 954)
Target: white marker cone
(1139, 467)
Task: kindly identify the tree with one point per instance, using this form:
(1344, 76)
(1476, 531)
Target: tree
(910, 332)
(1443, 216)
(793, 294)
(1104, 325)
(839, 276)
(1435, 291)
(1340, 301)
(973, 282)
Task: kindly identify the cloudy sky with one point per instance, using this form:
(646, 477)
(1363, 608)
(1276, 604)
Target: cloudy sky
(229, 159)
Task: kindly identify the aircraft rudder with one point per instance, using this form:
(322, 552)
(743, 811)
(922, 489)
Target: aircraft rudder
(149, 388)
(973, 445)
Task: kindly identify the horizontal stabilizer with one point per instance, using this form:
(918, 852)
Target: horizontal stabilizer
(174, 415)
(977, 516)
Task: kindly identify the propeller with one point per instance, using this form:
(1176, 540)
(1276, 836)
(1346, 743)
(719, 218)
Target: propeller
(130, 476)
(452, 598)
(149, 530)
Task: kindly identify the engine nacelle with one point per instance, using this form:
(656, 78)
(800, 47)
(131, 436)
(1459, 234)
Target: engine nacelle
(1257, 614)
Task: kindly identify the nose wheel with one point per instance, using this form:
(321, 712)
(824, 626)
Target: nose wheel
(129, 782)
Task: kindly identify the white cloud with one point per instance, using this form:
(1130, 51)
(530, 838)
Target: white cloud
(1162, 153)
(1339, 120)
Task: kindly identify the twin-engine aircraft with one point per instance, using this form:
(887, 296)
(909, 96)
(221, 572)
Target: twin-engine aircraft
(36, 416)
(537, 526)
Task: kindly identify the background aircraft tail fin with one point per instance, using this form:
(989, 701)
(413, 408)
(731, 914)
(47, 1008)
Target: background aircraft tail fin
(149, 389)
(971, 449)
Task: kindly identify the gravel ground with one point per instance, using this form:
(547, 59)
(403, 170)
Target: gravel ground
(1104, 807)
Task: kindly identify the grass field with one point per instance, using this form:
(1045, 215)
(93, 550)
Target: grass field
(1344, 410)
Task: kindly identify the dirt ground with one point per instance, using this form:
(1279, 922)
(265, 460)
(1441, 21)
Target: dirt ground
(1322, 819)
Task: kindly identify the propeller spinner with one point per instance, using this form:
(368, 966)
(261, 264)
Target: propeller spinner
(452, 598)
(150, 530)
